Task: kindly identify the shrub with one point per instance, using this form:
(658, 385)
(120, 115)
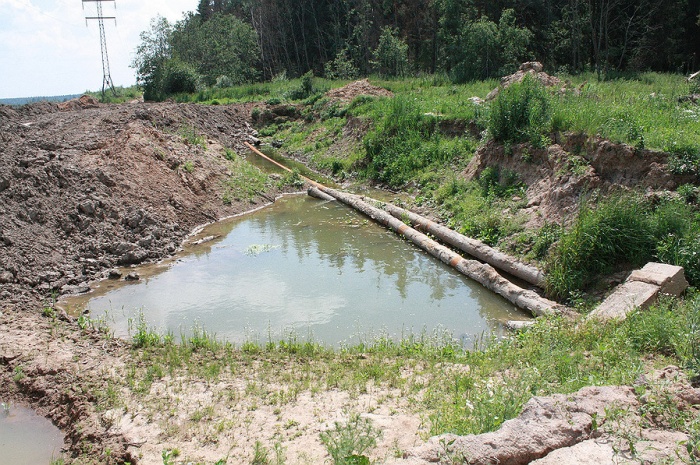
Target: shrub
(305, 89)
(341, 67)
(624, 231)
(521, 113)
(179, 77)
(223, 82)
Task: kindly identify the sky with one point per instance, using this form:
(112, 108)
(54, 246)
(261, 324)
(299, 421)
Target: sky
(46, 49)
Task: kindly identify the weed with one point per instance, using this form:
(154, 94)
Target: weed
(620, 229)
(347, 442)
(18, 373)
(260, 455)
(292, 179)
(521, 113)
(692, 444)
(246, 180)
(169, 456)
(188, 166)
(49, 312)
(143, 335)
(191, 137)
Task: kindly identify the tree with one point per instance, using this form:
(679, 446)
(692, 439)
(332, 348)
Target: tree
(391, 55)
(151, 56)
(486, 49)
(513, 42)
(223, 45)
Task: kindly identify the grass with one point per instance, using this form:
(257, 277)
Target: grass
(644, 112)
(458, 391)
(246, 180)
(624, 230)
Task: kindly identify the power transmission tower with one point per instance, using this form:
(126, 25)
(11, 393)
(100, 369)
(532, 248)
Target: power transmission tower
(106, 76)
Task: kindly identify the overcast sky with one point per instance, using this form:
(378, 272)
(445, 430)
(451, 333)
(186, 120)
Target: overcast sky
(46, 49)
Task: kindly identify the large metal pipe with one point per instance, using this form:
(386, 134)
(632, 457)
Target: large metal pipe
(482, 273)
(473, 247)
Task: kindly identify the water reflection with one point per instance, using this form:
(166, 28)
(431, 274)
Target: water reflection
(27, 438)
(320, 268)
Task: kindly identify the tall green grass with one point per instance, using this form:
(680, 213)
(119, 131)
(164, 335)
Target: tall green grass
(406, 141)
(622, 232)
(645, 112)
(521, 113)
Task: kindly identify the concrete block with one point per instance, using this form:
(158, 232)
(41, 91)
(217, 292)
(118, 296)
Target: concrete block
(628, 296)
(669, 278)
(641, 289)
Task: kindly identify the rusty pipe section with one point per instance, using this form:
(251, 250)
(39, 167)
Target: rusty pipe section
(473, 247)
(482, 273)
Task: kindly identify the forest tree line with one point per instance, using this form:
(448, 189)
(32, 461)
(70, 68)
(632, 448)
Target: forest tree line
(227, 42)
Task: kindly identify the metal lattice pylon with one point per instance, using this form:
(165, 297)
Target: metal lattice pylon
(106, 76)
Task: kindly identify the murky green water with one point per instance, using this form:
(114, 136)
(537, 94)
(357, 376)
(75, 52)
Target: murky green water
(27, 438)
(308, 266)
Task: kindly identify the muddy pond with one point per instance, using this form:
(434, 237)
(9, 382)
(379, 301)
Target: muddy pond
(301, 268)
(27, 438)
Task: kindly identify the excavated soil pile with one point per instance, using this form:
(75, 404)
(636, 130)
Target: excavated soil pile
(357, 88)
(532, 68)
(85, 187)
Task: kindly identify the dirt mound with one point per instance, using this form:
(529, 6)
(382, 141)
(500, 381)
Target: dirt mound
(82, 103)
(357, 88)
(84, 191)
(532, 68)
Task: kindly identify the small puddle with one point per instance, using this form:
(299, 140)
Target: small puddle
(27, 438)
(307, 267)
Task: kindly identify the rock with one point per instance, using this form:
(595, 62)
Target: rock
(641, 289)
(6, 277)
(133, 257)
(535, 66)
(75, 289)
(87, 207)
(132, 276)
(545, 424)
(4, 184)
(517, 325)
(114, 274)
(206, 239)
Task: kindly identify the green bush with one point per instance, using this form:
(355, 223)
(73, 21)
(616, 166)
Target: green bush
(341, 67)
(521, 113)
(179, 77)
(305, 89)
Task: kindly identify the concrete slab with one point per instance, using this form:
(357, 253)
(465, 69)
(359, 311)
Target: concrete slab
(641, 289)
(628, 296)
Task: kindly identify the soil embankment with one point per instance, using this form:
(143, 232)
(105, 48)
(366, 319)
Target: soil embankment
(87, 189)
(84, 188)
